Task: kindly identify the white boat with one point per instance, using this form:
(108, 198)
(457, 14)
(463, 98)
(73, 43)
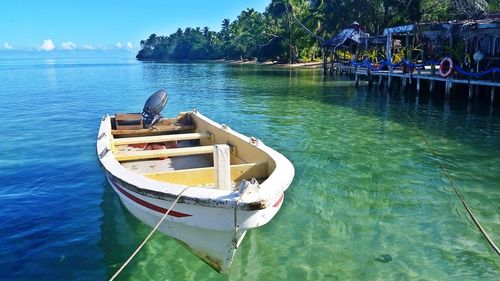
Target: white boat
(230, 183)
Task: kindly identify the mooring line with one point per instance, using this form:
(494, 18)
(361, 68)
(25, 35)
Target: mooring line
(455, 188)
(242, 190)
(148, 237)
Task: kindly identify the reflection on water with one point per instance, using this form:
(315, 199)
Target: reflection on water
(118, 224)
(51, 75)
(368, 202)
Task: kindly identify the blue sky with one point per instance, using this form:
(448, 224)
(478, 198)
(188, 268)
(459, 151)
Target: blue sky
(56, 25)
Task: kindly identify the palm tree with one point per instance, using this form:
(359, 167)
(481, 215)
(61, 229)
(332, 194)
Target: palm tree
(225, 24)
(151, 41)
(248, 13)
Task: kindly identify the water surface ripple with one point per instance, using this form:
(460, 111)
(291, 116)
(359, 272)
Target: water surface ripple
(369, 201)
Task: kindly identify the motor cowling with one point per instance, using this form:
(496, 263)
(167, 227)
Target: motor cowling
(152, 108)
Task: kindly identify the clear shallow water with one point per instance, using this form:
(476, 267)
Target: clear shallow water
(367, 187)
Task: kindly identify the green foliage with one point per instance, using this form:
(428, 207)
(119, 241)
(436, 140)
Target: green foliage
(494, 6)
(408, 54)
(276, 35)
(343, 54)
(373, 55)
(457, 53)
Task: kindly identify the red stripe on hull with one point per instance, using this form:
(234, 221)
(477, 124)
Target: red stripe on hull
(279, 200)
(147, 204)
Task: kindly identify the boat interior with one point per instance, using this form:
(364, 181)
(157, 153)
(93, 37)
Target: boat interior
(182, 151)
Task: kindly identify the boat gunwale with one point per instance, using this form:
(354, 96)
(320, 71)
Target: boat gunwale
(267, 195)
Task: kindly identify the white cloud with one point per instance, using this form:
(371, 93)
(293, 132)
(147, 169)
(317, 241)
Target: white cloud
(129, 45)
(88, 47)
(68, 45)
(47, 45)
(119, 44)
(7, 46)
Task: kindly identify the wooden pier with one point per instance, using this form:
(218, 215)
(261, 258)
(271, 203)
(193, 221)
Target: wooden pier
(468, 51)
(431, 75)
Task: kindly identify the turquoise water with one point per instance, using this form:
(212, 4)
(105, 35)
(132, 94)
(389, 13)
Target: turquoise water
(369, 201)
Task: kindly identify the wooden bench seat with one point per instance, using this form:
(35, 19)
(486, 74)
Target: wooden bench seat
(171, 152)
(157, 130)
(161, 138)
(201, 176)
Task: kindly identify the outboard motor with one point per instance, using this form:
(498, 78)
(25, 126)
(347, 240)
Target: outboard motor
(152, 108)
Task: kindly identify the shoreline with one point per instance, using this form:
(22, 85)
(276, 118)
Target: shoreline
(306, 65)
(273, 63)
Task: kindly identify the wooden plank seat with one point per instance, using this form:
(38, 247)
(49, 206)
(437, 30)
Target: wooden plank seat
(171, 152)
(157, 130)
(161, 138)
(128, 121)
(200, 176)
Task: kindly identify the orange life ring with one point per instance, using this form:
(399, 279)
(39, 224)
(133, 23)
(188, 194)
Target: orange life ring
(446, 63)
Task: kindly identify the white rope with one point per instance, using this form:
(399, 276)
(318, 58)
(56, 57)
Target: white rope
(148, 237)
(457, 191)
(242, 190)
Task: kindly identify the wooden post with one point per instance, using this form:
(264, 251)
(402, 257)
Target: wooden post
(370, 77)
(432, 82)
(380, 80)
(419, 72)
(448, 85)
(222, 167)
(492, 99)
(493, 87)
(356, 78)
(388, 50)
(471, 90)
(331, 60)
(324, 60)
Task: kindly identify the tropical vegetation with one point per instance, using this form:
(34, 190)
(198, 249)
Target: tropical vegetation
(291, 30)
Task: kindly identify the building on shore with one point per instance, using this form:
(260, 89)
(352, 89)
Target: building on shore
(455, 52)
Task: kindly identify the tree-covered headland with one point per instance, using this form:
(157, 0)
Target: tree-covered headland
(288, 30)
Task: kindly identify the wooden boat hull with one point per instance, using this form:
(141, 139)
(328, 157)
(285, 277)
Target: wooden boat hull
(209, 222)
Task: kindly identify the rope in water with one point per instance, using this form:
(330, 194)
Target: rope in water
(148, 237)
(455, 188)
(242, 191)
